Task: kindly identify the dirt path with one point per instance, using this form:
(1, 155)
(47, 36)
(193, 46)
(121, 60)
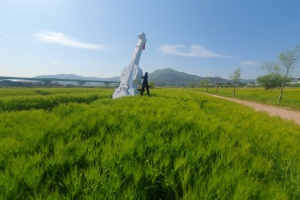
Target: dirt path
(272, 110)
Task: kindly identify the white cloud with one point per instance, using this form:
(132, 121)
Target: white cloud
(250, 62)
(62, 39)
(195, 51)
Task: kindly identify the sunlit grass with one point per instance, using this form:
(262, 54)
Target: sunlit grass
(290, 98)
(175, 144)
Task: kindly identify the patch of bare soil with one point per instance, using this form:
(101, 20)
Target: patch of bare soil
(272, 110)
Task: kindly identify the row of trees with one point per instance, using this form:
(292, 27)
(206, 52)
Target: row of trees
(278, 72)
(271, 80)
(281, 69)
(234, 78)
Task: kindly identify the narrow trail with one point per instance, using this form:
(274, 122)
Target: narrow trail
(272, 110)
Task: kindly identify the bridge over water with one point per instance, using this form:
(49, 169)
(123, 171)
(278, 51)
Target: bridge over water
(50, 80)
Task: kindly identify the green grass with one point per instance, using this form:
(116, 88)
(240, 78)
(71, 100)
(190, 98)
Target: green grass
(47, 98)
(175, 144)
(290, 99)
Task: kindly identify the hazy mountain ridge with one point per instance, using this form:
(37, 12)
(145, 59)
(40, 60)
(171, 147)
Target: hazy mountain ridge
(171, 77)
(166, 76)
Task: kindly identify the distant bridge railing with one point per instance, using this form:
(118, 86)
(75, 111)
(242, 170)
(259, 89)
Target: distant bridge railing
(49, 80)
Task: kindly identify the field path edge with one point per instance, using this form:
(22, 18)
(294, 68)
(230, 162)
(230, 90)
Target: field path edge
(272, 110)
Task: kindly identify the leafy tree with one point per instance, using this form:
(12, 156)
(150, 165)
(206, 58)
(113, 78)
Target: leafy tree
(269, 81)
(151, 84)
(287, 62)
(192, 85)
(204, 83)
(228, 84)
(235, 78)
(217, 84)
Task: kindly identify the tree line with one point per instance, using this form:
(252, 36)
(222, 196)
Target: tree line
(278, 73)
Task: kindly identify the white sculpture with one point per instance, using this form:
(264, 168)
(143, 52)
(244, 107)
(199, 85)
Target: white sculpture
(131, 75)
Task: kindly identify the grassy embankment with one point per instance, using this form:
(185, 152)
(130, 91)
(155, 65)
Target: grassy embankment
(176, 144)
(290, 98)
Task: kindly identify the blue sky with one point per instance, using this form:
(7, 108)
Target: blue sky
(97, 37)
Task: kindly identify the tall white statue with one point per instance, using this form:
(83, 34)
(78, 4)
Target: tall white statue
(131, 75)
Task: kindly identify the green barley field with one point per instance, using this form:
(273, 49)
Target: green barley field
(78, 143)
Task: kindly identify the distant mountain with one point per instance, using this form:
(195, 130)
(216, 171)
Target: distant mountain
(159, 77)
(74, 76)
(171, 77)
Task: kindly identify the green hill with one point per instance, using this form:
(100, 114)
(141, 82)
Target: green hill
(171, 77)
